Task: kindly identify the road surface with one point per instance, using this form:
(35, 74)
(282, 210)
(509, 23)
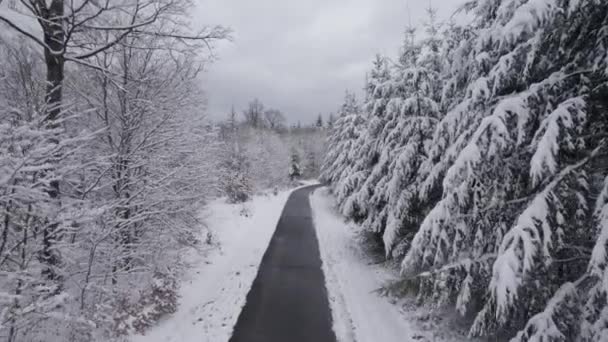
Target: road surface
(288, 300)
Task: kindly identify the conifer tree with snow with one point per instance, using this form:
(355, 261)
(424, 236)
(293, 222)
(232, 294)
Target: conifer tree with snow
(374, 191)
(319, 122)
(515, 157)
(420, 73)
(341, 140)
(352, 190)
(330, 120)
(496, 190)
(295, 170)
(406, 106)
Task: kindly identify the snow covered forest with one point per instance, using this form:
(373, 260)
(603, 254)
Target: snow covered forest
(262, 152)
(478, 159)
(107, 156)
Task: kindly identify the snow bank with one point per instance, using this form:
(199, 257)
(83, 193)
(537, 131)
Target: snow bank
(216, 288)
(360, 314)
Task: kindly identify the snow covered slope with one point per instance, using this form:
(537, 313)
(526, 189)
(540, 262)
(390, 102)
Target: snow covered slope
(360, 314)
(215, 291)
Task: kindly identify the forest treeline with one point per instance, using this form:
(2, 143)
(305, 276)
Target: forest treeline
(262, 152)
(478, 157)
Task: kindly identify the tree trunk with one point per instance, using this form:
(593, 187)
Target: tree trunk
(54, 38)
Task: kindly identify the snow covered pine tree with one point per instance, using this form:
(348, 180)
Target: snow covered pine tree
(507, 166)
(295, 171)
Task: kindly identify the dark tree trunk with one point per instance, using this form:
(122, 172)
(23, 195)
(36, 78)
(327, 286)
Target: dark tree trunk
(54, 38)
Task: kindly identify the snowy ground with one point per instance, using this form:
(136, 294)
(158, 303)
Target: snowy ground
(215, 291)
(360, 314)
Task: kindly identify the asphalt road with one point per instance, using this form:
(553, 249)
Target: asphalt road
(288, 300)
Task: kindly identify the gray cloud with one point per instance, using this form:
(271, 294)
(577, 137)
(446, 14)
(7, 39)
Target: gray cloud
(300, 56)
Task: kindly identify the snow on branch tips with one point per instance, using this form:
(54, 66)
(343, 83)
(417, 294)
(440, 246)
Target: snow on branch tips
(527, 18)
(526, 244)
(552, 323)
(598, 265)
(555, 130)
(530, 238)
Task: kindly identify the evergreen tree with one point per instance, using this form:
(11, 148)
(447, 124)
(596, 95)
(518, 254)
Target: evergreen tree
(319, 122)
(419, 114)
(341, 140)
(352, 187)
(295, 171)
(481, 159)
(389, 138)
(516, 151)
(330, 120)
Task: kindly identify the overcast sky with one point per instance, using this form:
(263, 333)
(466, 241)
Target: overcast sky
(300, 56)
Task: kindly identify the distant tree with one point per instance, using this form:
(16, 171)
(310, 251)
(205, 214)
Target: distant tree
(295, 171)
(235, 176)
(312, 164)
(232, 120)
(256, 157)
(342, 146)
(330, 120)
(319, 122)
(254, 114)
(275, 120)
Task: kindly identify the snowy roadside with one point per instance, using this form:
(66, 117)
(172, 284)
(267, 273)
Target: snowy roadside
(360, 314)
(212, 295)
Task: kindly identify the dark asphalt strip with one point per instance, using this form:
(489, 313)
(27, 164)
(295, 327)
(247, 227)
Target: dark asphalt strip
(288, 300)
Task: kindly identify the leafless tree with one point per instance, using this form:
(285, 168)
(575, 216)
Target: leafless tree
(275, 120)
(124, 73)
(78, 31)
(254, 114)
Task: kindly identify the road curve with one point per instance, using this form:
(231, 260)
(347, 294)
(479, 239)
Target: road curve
(288, 300)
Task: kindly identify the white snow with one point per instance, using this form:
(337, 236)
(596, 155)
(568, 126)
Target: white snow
(360, 314)
(214, 293)
(212, 296)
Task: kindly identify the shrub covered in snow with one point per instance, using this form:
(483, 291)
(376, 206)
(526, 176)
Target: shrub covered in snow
(156, 301)
(295, 170)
